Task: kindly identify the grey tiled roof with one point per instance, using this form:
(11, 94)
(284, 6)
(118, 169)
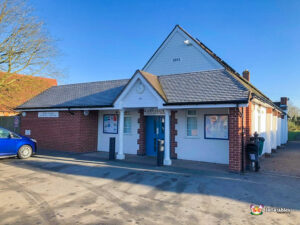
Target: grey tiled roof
(198, 87)
(205, 86)
(101, 93)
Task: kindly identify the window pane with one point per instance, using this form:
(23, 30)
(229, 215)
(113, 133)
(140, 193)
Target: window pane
(191, 112)
(192, 129)
(127, 125)
(4, 133)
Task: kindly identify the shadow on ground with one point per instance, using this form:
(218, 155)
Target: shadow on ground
(258, 188)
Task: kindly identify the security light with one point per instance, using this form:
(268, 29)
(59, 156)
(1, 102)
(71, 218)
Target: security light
(187, 42)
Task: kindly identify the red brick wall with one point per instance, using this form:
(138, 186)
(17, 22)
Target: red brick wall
(248, 121)
(142, 133)
(88, 131)
(173, 133)
(269, 110)
(74, 133)
(247, 130)
(235, 140)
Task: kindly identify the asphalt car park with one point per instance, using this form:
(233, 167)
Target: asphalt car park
(62, 188)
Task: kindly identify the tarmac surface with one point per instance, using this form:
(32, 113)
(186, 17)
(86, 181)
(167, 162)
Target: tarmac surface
(64, 188)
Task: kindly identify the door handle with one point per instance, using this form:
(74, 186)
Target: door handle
(155, 144)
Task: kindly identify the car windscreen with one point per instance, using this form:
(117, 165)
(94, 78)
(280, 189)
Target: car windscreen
(4, 133)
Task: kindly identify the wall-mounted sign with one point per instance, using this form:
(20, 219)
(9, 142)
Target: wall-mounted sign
(154, 112)
(110, 124)
(48, 114)
(27, 132)
(216, 127)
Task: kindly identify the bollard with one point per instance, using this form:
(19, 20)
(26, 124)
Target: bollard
(112, 148)
(160, 152)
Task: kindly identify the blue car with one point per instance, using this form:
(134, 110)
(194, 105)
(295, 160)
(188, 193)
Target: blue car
(12, 144)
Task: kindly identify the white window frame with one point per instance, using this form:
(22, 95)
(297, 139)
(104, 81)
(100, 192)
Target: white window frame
(130, 132)
(186, 123)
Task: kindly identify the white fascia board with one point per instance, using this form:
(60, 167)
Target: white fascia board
(258, 102)
(63, 109)
(99, 109)
(159, 107)
(42, 110)
(208, 106)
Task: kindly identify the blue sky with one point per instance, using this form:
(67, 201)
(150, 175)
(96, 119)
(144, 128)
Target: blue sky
(103, 40)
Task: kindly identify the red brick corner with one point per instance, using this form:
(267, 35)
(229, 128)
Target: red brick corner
(142, 133)
(173, 134)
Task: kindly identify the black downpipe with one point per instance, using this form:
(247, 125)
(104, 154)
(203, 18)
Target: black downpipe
(69, 111)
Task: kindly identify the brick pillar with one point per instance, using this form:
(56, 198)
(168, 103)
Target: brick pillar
(142, 133)
(247, 130)
(173, 135)
(248, 121)
(235, 140)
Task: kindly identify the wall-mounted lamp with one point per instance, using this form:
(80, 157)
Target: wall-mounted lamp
(187, 42)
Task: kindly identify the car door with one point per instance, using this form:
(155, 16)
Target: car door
(7, 144)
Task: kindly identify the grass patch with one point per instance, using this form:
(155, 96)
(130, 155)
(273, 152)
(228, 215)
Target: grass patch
(294, 135)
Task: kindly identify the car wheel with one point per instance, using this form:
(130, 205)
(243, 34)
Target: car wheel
(25, 152)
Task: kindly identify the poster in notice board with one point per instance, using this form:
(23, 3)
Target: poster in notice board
(216, 127)
(110, 124)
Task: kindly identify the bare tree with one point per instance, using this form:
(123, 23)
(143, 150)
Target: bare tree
(293, 111)
(25, 47)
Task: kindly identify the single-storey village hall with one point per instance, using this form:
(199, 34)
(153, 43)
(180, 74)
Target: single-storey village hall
(185, 95)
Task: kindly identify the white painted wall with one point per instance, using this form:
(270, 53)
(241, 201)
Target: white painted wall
(268, 141)
(261, 126)
(285, 128)
(274, 132)
(272, 128)
(198, 148)
(192, 57)
(278, 135)
(130, 140)
(133, 97)
(282, 136)
(145, 99)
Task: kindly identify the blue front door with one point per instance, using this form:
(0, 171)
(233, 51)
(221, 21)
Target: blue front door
(155, 126)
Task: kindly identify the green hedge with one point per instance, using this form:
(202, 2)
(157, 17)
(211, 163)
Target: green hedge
(294, 135)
